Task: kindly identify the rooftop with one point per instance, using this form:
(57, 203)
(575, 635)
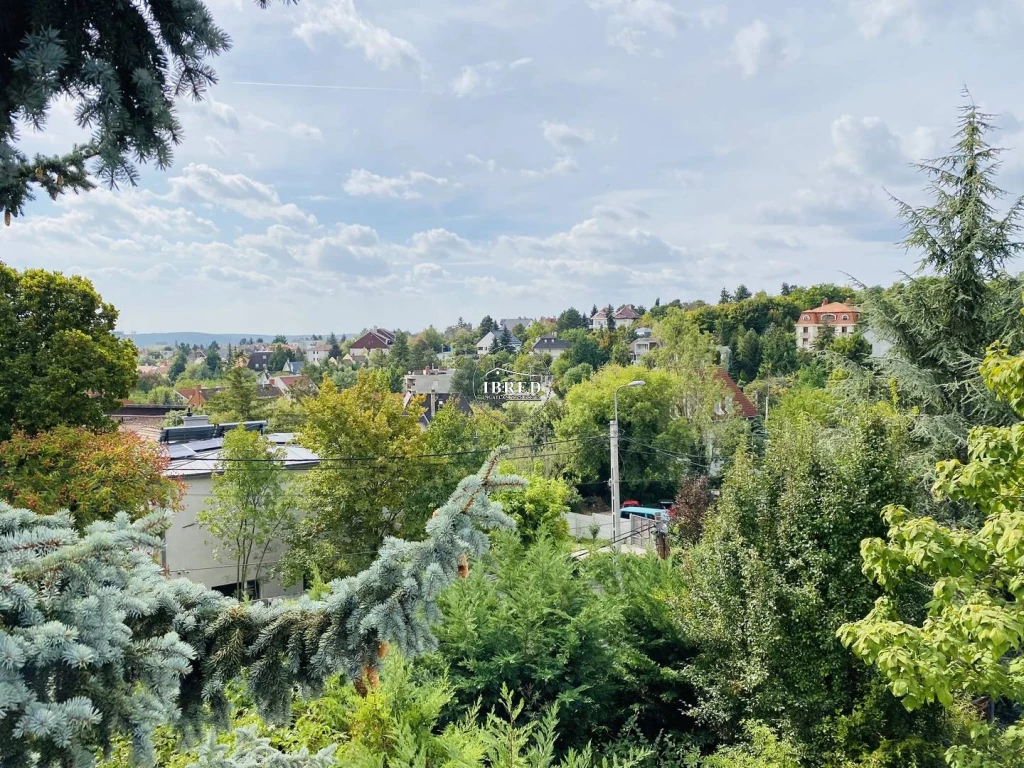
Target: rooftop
(201, 458)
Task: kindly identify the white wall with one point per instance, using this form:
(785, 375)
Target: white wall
(188, 555)
(579, 525)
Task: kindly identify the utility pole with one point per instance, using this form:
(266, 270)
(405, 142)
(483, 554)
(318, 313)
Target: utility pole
(613, 434)
(613, 441)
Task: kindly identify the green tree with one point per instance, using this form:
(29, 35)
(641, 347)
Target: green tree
(610, 315)
(725, 297)
(421, 355)
(351, 508)
(504, 341)
(853, 347)
(239, 400)
(213, 363)
(539, 509)
(778, 352)
(250, 507)
(940, 325)
(92, 475)
(280, 339)
(400, 355)
(969, 644)
(571, 319)
(60, 362)
(487, 325)
(279, 357)
(774, 576)
(824, 338)
(748, 355)
(178, 365)
(742, 293)
(433, 338)
(123, 77)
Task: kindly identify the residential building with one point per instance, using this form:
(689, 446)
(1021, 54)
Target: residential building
(188, 550)
(735, 402)
(434, 402)
(318, 352)
(259, 360)
(843, 317)
(194, 397)
(425, 382)
(551, 345)
(374, 340)
(624, 317)
(642, 331)
(293, 367)
(641, 346)
(290, 384)
(486, 344)
(511, 322)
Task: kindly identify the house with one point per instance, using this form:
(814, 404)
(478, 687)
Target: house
(551, 345)
(289, 384)
(509, 323)
(434, 402)
(438, 381)
(374, 340)
(318, 352)
(735, 401)
(259, 360)
(641, 346)
(624, 317)
(843, 317)
(194, 397)
(486, 344)
(188, 550)
(293, 367)
(642, 331)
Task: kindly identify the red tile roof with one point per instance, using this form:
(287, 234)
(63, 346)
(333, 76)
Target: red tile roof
(746, 408)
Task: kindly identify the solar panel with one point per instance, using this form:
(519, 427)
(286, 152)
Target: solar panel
(180, 451)
(207, 445)
(251, 426)
(186, 434)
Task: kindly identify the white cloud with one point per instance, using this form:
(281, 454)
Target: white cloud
(222, 113)
(352, 249)
(562, 166)
(756, 46)
(629, 21)
(490, 165)
(216, 147)
(467, 82)
(869, 147)
(243, 278)
(363, 183)
(564, 137)
(233, 192)
(340, 17)
(304, 131)
(520, 62)
(427, 271)
(874, 17)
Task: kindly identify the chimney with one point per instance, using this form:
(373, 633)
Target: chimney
(848, 300)
(824, 302)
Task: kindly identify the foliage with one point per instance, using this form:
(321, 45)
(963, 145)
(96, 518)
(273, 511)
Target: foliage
(253, 751)
(91, 475)
(239, 400)
(693, 499)
(970, 642)
(121, 65)
(762, 749)
(60, 362)
(97, 642)
(539, 509)
(647, 417)
(940, 325)
(775, 574)
(250, 507)
(286, 415)
(351, 507)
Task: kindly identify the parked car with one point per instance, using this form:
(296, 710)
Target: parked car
(647, 512)
(630, 503)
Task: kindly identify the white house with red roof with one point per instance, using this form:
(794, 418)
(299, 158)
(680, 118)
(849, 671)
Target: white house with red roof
(843, 317)
(624, 317)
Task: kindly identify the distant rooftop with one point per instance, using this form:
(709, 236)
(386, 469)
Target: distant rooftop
(201, 458)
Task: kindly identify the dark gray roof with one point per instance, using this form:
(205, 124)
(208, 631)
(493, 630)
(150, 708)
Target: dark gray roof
(549, 343)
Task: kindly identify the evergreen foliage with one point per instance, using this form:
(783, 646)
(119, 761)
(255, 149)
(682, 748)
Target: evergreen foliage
(941, 322)
(122, 64)
(96, 642)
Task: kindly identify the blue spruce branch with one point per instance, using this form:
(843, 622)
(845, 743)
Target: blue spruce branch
(95, 641)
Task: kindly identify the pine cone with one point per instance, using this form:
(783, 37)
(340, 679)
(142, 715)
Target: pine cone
(463, 567)
(382, 650)
(39, 173)
(60, 179)
(7, 218)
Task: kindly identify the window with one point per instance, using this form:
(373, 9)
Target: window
(828, 318)
(844, 329)
(805, 317)
(846, 317)
(805, 329)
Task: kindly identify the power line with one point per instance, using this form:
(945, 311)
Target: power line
(414, 457)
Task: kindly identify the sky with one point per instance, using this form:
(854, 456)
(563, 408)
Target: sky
(403, 164)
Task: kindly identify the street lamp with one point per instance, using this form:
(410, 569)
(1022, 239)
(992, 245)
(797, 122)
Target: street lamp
(613, 434)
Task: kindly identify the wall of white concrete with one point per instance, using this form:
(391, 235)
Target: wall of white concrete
(189, 548)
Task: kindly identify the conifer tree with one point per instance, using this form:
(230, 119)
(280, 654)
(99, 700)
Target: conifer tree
(96, 642)
(940, 323)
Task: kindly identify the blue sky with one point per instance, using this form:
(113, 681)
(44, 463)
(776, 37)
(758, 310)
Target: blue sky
(402, 164)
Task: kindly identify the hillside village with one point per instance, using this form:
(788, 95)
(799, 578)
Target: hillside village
(685, 528)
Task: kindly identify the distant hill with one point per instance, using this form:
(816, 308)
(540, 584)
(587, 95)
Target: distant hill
(143, 340)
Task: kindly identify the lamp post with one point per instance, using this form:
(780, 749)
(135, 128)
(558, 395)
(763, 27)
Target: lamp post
(613, 434)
